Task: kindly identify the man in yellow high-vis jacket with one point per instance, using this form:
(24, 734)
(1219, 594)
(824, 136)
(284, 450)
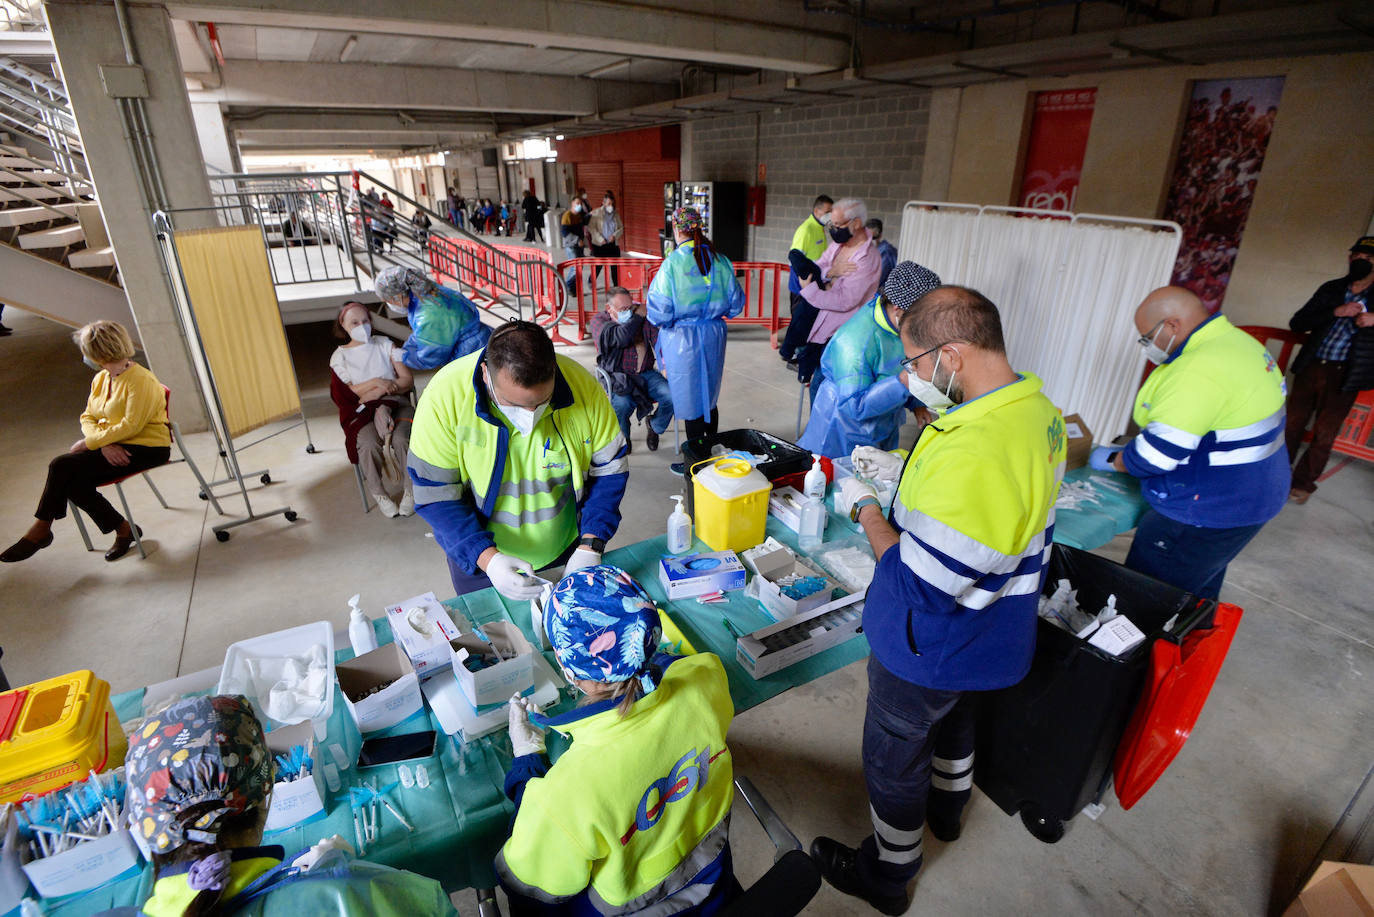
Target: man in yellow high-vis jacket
(518, 463)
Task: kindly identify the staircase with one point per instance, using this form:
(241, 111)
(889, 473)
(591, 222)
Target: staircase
(56, 259)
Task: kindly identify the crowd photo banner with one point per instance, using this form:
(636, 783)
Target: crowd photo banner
(1220, 154)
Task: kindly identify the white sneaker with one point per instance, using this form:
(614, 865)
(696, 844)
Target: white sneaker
(407, 507)
(385, 504)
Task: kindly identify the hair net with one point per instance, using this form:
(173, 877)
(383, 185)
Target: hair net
(603, 626)
(907, 283)
(394, 281)
(202, 749)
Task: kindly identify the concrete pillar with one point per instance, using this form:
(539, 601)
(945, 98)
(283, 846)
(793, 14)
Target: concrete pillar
(216, 146)
(85, 36)
(940, 134)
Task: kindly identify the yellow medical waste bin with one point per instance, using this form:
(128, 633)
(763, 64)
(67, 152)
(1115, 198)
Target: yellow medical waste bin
(730, 499)
(56, 732)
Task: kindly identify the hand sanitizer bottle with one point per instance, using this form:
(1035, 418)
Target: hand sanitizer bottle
(813, 485)
(360, 632)
(679, 529)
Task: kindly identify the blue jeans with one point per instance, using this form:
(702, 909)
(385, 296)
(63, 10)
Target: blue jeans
(1191, 557)
(918, 758)
(661, 419)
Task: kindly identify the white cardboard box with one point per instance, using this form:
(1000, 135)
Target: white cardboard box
(423, 628)
(785, 504)
(85, 866)
(1117, 636)
(779, 561)
(495, 683)
(777, 646)
(387, 707)
(697, 574)
(297, 801)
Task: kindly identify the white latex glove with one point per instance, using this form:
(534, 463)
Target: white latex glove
(581, 557)
(512, 578)
(307, 860)
(525, 737)
(852, 490)
(875, 464)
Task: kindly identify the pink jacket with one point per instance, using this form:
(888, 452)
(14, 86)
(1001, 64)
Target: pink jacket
(846, 294)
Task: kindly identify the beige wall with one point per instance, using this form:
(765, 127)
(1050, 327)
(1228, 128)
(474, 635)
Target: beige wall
(1315, 195)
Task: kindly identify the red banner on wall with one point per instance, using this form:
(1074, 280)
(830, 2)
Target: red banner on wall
(1054, 152)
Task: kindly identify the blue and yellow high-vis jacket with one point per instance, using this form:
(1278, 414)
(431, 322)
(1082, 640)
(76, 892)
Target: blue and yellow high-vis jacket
(1211, 448)
(861, 400)
(479, 484)
(635, 816)
(811, 240)
(952, 605)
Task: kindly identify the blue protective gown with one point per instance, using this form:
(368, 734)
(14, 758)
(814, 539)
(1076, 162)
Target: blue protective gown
(860, 401)
(689, 311)
(445, 325)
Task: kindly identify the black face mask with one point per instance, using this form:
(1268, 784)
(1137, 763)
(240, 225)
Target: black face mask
(841, 234)
(1359, 270)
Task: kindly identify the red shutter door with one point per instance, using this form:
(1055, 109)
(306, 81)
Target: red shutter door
(643, 204)
(598, 178)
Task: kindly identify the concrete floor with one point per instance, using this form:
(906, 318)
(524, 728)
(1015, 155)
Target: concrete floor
(1270, 777)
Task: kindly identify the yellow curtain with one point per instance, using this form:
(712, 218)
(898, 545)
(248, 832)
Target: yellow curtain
(230, 286)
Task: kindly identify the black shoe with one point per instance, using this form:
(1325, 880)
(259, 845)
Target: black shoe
(23, 549)
(840, 866)
(651, 440)
(121, 545)
(5, 332)
(678, 468)
(946, 830)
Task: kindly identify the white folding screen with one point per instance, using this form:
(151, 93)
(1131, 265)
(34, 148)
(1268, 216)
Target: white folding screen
(1067, 286)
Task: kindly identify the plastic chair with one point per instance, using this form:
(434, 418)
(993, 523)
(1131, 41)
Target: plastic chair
(124, 502)
(604, 379)
(787, 887)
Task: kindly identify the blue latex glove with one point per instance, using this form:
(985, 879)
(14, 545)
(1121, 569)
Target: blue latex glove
(1103, 456)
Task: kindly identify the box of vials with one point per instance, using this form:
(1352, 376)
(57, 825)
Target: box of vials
(777, 646)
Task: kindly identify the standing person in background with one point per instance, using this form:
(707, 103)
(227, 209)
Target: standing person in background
(532, 209)
(605, 229)
(692, 294)
(451, 203)
(809, 240)
(952, 607)
(885, 248)
(573, 230)
(460, 211)
(1335, 364)
(1210, 452)
(850, 267)
(388, 221)
(420, 223)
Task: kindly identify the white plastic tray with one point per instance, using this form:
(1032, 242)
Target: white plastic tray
(295, 641)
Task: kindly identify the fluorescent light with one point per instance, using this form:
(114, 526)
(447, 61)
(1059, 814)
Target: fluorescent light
(558, 136)
(348, 48)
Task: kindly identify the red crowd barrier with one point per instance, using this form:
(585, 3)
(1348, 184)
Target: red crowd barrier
(763, 283)
(490, 275)
(1356, 438)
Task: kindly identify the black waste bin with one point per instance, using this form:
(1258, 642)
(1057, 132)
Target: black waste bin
(784, 458)
(1045, 746)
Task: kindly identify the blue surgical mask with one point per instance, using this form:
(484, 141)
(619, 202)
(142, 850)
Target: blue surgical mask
(624, 315)
(92, 364)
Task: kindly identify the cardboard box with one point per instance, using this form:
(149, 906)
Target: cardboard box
(387, 665)
(785, 504)
(85, 866)
(1336, 890)
(1079, 445)
(1117, 636)
(494, 684)
(772, 561)
(295, 802)
(697, 574)
(777, 646)
(423, 628)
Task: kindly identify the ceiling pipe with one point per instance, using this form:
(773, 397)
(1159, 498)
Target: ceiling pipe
(213, 35)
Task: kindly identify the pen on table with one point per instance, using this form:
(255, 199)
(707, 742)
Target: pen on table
(731, 628)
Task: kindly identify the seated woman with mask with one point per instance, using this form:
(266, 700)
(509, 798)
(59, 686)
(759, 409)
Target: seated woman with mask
(368, 381)
(640, 802)
(198, 778)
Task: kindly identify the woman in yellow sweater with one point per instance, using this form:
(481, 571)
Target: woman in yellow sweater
(124, 431)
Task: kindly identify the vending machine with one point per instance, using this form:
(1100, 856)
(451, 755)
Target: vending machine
(722, 208)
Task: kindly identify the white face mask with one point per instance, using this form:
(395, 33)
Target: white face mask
(577, 208)
(92, 364)
(610, 208)
(1156, 354)
(926, 392)
(523, 419)
(361, 333)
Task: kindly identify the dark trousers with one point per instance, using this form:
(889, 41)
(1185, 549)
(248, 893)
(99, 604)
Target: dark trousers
(75, 476)
(1316, 391)
(701, 426)
(803, 317)
(464, 582)
(1191, 557)
(918, 759)
(609, 250)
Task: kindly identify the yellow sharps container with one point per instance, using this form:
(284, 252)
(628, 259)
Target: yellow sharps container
(730, 499)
